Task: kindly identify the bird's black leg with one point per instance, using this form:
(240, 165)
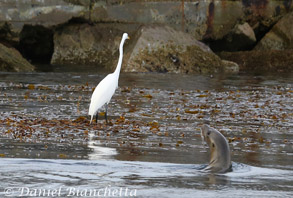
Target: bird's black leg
(106, 113)
(97, 117)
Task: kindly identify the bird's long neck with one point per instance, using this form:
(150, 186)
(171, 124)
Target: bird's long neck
(118, 68)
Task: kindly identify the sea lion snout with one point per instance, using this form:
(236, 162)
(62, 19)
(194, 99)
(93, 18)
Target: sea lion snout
(205, 133)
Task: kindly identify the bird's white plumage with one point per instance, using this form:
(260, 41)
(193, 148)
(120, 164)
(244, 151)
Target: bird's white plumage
(106, 88)
(103, 93)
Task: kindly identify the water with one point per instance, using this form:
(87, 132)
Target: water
(148, 179)
(153, 146)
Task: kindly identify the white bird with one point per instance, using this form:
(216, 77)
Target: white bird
(106, 88)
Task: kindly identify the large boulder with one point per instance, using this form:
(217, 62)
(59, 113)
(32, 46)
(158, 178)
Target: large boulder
(11, 60)
(86, 44)
(280, 37)
(163, 49)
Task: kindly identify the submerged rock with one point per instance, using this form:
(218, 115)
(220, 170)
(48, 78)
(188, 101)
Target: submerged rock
(280, 37)
(230, 66)
(163, 49)
(11, 60)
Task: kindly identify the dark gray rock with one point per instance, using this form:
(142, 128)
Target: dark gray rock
(11, 60)
(280, 37)
(241, 37)
(7, 34)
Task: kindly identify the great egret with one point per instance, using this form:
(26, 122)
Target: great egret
(106, 88)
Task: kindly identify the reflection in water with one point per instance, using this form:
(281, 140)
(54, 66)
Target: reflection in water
(253, 155)
(99, 152)
(218, 180)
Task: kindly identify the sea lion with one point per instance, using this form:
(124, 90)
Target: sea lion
(220, 161)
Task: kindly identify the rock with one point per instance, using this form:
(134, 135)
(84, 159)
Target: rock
(7, 34)
(163, 49)
(241, 37)
(230, 67)
(46, 13)
(280, 37)
(11, 60)
(86, 44)
(262, 61)
(246, 31)
(203, 19)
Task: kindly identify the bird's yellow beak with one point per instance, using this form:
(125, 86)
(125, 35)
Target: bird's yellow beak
(128, 37)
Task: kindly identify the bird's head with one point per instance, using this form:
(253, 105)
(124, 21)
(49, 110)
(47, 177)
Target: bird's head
(125, 36)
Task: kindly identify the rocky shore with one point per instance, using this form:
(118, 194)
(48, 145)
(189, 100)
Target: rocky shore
(166, 36)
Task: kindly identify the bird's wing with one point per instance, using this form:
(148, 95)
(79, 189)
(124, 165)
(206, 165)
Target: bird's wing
(103, 93)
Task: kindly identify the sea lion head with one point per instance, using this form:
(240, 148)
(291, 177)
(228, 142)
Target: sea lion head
(220, 160)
